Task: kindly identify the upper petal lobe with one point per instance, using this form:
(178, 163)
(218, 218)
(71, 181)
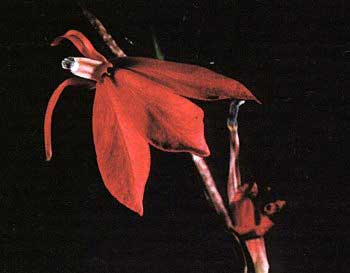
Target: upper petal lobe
(167, 121)
(189, 80)
(82, 43)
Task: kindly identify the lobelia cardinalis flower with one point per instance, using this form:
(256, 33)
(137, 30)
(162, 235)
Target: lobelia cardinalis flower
(250, 221)
(140, 101)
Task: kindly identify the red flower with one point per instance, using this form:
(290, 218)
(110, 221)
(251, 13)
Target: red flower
(141, 103)
(250, 221)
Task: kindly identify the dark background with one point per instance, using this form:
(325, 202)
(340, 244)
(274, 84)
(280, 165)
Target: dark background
(294, 55)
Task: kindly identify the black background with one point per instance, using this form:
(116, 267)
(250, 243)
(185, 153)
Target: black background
(294, 55)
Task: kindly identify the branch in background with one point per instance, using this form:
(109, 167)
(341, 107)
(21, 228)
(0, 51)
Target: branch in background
(211, 190)
(217, 202)
(107, 38)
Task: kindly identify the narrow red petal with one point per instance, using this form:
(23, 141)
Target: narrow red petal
(50, 108)
(190, 80)
(123, 155)
(264, 226)
(243, 209)
(243, 213)
(82, 43)
(168, 121)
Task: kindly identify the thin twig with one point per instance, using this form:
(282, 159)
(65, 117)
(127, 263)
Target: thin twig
(102, 31)
(216, 200)
(211, 190)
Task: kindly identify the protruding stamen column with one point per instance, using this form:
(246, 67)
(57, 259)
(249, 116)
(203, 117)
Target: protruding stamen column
(83, 67)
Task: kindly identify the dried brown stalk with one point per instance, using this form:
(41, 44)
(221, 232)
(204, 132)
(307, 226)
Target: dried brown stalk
(102, 31)
(217, 201)
(211, 190)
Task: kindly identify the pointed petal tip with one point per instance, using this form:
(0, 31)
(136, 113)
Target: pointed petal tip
(54, 42)
(58, 40)
(48, 157)
(140, 211)
(134, 207)
(258, 101)
(204, 153)
(281, 203)
(252, 97)
(200, 152)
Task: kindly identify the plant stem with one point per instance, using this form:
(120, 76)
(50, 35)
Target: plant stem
(102, 31)
(255, 246)
(216, 200)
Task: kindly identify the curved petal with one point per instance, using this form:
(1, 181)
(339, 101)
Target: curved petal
(188, 80)
(51, 106)
(82, 43)
(169, 122)
(123, 155)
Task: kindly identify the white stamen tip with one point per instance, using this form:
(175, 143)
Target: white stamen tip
(67, 63)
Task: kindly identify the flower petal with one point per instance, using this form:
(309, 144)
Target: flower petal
(188, 80)
(51, 106)
(82, 43)
(123, 155)
(169, 122)
(249, 222)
